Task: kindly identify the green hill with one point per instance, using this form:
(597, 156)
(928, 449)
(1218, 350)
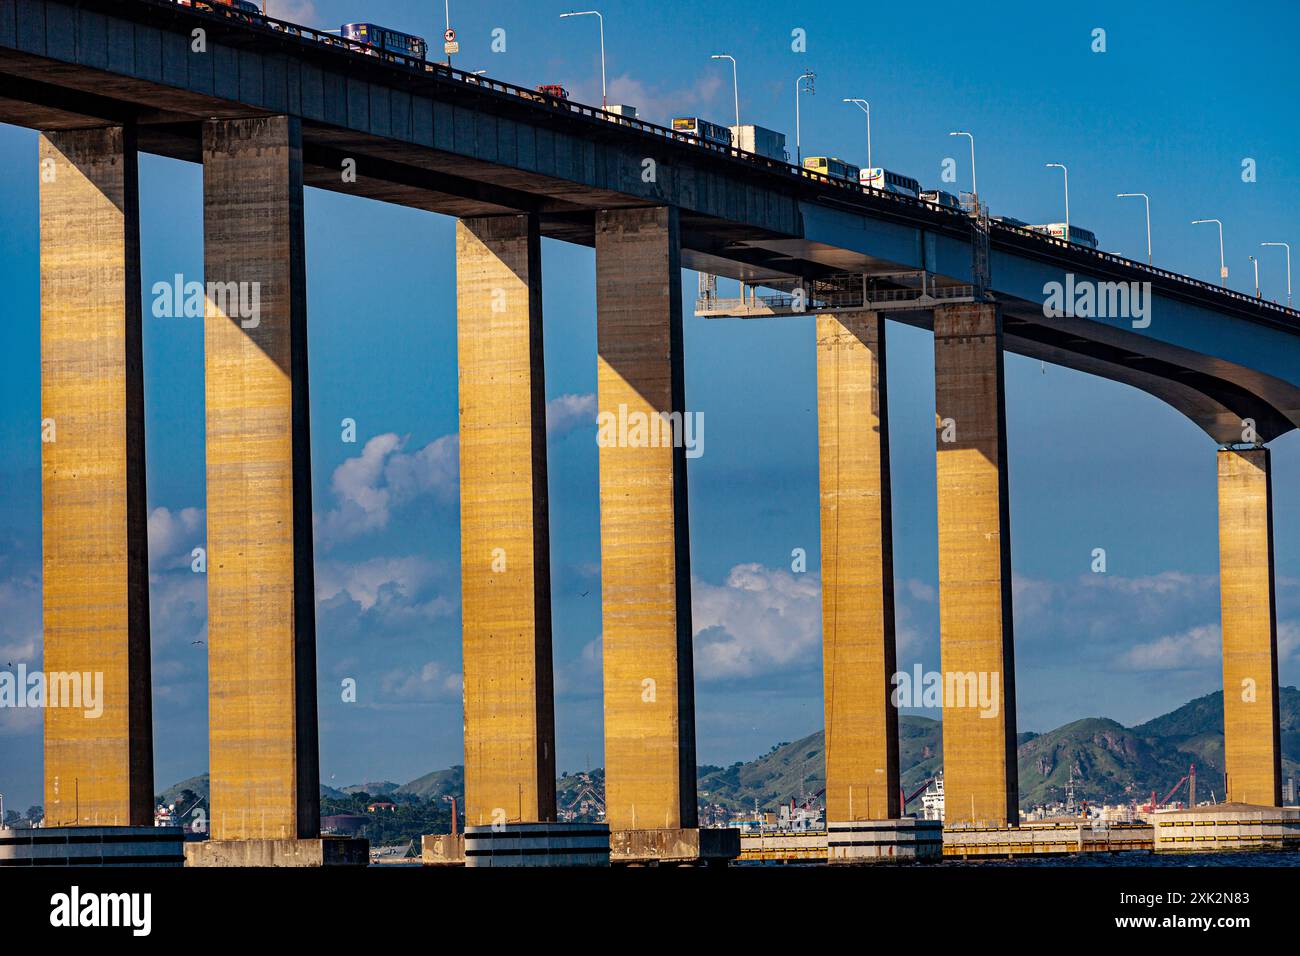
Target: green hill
(1111, 763)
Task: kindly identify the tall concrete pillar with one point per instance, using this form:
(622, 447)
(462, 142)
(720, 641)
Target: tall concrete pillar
(645, 551)
(1251, 734)
(504, 535)
(98, 753)
(261, 611)
(979, 713)
(857, 569)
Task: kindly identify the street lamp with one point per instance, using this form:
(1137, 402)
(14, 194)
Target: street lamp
(1255, 262)
(974, 189)
(798, 88)
(866, 108)
(735, 83)
(1148, 204)
(1223, 270)
(1287, 247)
(446, 9)
(1062, 168)
(595, 13)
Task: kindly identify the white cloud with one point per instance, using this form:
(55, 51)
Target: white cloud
(1193, 648)
(370, 487)
(567, 412)
(295, 11)
(430, 682)
(760, 620)
(174, 534)
(384, 582)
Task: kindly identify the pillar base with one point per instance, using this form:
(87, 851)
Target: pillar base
(1227, 827)
(320, 851)
(884, 841)
(442, 849)
(690, 846)
(93, 846)
(537, 844)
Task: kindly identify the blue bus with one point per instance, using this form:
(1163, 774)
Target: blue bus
(385, 40)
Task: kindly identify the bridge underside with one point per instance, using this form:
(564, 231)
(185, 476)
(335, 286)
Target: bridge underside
(1215, 394)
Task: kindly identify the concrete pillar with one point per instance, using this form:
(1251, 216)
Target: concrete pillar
(979, 740)
(645, 551)
(98, 766)
(261, 611)
(1251, 736)
(504, 535)
(857, 569)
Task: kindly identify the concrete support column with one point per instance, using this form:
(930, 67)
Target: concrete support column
(645, 551)
(99, 741)
(1251, 736)
(857, 569)
(979, 713)
(261, 611)
(504, 534)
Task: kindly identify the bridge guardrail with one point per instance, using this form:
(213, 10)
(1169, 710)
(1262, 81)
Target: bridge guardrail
(537, 99)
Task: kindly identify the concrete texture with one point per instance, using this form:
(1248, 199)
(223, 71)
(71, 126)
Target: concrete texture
(537, 844)
(644, 548)
(93, 846)
(979, 752)
(1046, 838)
(320, 851)
(442, 849)
(1227, 827)
(674, 845)
(261, 611)
(857, 569)
(1251, 736)
(504, 537)
(98, 769)
(884, 841)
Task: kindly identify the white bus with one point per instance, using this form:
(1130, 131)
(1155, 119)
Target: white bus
(890, 182)
(702, 131)
(941, 198)
(1078, 235)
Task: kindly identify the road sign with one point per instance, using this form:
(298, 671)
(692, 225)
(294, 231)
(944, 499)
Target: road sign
(450, 35)
(1223, 273)
(451, 47)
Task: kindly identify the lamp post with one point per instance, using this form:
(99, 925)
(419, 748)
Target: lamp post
(594, 13)
(1147, 199)
(446, 9)
(735, 83)
(974, 189)
(1255, 263)
(866, 108)
(1223, 269)
(810, 76)
(1287, 247)
(1061, 167)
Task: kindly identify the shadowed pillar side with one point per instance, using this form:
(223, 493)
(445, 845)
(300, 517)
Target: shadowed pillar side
(1251, 734)
(505, 540)
(261, 612)
(979, 712)
(98, 766)
(645, 553)
(857, 570)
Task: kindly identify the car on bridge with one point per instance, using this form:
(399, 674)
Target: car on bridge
(382, 40)
(890, 182)
(833, 168)
(1078, 235)
(702, 131)
(941, 197)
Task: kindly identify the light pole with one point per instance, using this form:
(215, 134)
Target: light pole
(735, 83)
(1147, 199)
(866, 108)
(1223, 270)
(595, 13)
(446, 9)
(1255, 262)
(798, 87)
(1062, 168)
(974, 189)
(1287, 247)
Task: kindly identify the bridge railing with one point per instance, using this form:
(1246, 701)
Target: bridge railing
(538, 99)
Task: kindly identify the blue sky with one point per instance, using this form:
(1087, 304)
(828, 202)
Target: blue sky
(1172, 107)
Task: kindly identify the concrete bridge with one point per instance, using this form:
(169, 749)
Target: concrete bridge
(268, 108)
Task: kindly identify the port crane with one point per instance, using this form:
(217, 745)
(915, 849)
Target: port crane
(1188, 778)
(914, 794)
